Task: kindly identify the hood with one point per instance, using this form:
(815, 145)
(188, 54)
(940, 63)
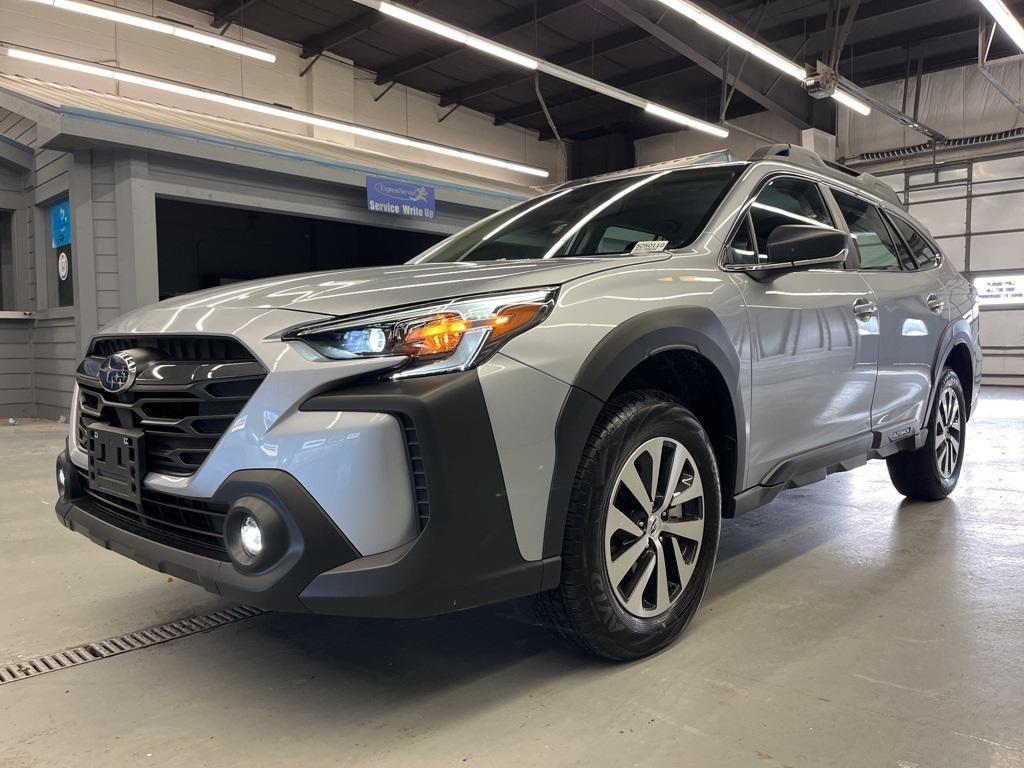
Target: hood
(356, 291)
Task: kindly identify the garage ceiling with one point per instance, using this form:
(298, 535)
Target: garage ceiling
(633, 44)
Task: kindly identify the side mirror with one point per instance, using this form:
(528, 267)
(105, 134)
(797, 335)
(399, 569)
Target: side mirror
(802, 246)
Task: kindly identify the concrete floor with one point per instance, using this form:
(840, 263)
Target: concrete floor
(844, 627)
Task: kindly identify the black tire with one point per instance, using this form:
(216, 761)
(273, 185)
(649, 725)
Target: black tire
(584, 609)
(917, 474)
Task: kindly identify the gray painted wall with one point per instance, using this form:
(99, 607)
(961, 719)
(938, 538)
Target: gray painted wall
(37, 355)
(16, 394)
(113, 192)
(54, 354)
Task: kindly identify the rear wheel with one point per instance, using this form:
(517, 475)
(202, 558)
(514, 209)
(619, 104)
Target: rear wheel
(642, 530)
(931, 472)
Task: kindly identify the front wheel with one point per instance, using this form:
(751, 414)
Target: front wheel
(642, 530)
(931, 472)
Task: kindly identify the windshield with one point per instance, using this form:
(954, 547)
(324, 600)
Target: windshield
(662, 210)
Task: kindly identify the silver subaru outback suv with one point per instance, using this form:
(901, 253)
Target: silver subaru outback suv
(563, 401)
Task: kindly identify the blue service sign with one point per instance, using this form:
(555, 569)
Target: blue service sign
(400, 198)
(60, 224)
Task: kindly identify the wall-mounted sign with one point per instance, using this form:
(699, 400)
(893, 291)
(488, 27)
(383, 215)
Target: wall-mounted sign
(1000, 289)
(61, 275)
(400, 198)
(60, 224)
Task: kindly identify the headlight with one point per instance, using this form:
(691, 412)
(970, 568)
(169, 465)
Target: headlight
(452, 335)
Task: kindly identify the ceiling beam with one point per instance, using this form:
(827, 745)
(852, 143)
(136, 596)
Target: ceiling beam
(615, 115)
(568, 57)
(782, 35)
(953, 55)
(228, 11)
(704, 52)
(504, 25)
(870, 47)
(925, 34)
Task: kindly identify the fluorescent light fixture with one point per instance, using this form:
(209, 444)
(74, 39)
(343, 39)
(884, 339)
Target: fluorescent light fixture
(591, 84)
(216, 41)
(501, 52)
(460, 36)
(852, 102)
(53, 61)
(112, 14)
(716, 26)
(679, 117)
(155, 25)
(423, 22)
(749, 45)
(1006, 20)
(249, 105)
(463, 37)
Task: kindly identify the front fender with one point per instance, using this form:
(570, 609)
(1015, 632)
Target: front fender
(695, 329)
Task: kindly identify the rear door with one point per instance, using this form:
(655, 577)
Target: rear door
(813, 352)
(911, 315)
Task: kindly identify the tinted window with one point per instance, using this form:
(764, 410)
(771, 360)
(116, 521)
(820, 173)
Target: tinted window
(741, 249)
(922, 250)
(599, 219)
(787, 201)
(902, 251)
(874, 243)
(620, 239)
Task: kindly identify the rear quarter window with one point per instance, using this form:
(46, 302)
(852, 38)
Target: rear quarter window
(924, 254)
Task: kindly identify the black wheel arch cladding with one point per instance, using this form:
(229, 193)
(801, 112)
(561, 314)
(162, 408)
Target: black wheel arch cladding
(957, 334)
(628, 345)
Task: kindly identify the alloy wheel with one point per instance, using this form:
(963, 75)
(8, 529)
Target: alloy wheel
(654, 527)
(948, 432)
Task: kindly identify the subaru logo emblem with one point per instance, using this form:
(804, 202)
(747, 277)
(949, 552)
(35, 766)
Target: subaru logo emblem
(117, 372)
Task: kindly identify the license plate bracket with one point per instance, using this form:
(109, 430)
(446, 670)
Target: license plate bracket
(116, 461)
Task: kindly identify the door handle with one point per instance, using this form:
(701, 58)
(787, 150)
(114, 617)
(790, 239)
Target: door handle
(865, 308)
(935, 303)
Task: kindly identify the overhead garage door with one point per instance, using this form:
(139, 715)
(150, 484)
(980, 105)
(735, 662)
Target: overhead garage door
(973, 210)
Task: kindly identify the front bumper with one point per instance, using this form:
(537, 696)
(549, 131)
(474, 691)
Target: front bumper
(466, 555)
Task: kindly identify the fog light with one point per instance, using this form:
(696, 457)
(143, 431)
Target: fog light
(255, 534)
(250, 536)
(62, 480)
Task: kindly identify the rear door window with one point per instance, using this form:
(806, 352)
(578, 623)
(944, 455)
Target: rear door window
(875, 243)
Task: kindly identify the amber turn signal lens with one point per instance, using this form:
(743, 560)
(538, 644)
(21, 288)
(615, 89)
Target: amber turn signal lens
(441, 334)
(510, 319)
(438, 335)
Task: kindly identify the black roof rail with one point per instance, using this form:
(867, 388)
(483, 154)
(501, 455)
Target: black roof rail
(808, 159)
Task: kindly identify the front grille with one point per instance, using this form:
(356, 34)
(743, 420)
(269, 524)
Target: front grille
(183, 400)
(174, 348)
(192, 525)
(181, 426)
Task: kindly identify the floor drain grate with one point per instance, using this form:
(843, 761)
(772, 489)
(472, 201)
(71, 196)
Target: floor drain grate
(132, 641)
